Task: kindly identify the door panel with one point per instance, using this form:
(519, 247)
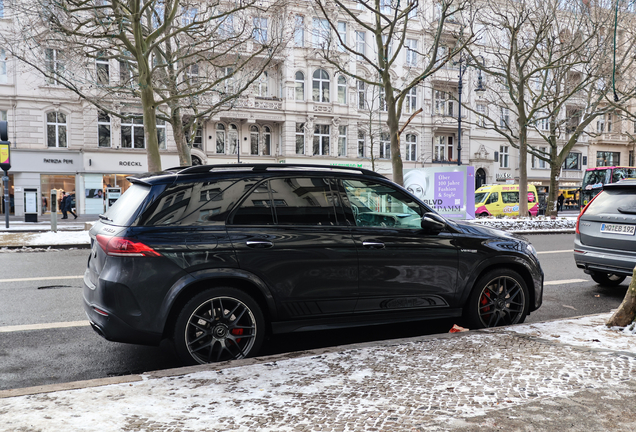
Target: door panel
(290, 232)
(401, 266)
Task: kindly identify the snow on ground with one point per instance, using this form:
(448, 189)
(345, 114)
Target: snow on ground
(44, 238)
(589, 331)
(537, 224)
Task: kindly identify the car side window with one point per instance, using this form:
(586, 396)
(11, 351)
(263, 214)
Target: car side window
(493, 198)
(510, 197)
(304, 201)
(379, 205)
(192, 204)
(257, 208)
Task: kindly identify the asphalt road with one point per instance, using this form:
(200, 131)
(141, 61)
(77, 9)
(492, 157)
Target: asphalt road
(49, 353)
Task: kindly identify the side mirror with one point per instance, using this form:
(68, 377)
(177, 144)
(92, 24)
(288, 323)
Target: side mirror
(433, 222)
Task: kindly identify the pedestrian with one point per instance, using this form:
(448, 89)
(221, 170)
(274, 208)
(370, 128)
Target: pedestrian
(63, 205)
(69, 205)
(560, 202)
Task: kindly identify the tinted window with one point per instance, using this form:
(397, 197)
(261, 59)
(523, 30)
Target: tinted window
(479, 197)
(379, 205)
(613, 202)
(257, 208)
(304, 201)
(200, 203)
(493, 198)
(125, 207)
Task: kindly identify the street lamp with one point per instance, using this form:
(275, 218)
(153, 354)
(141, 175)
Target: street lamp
(480, 89)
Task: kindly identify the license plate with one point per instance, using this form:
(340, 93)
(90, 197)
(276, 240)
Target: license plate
(618, 229)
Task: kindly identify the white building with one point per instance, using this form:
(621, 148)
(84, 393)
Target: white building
(300, 111)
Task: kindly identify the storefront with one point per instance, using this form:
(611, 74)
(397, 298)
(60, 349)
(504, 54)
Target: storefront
(43, 171)
(104, 170)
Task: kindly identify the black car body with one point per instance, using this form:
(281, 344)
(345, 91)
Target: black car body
(215, 257)
(605, 240)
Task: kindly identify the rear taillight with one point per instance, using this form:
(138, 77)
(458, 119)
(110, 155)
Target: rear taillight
(578, 219)
(120, 246)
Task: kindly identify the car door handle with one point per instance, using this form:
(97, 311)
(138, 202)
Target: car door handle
(259, 244)
(373, 245)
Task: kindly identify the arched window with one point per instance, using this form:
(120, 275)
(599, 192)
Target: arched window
(342, 90)
(300, 86)
(267, 141)
(56, 129)
(233, 139)
(320, 86)
(220, 138)
(411, 147)
(254, 140)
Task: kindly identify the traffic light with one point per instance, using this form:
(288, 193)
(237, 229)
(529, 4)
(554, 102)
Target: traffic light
(5, 147)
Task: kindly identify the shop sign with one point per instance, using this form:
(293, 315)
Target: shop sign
(130, 163)
(503, 176)
(57, 161)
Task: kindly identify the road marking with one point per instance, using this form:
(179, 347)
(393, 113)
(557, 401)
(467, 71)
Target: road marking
(41, 278)
(560, 251)
(45, 326)
(565, 281)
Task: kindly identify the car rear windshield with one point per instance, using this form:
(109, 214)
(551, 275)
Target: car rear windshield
(125, 207)
(619, 201)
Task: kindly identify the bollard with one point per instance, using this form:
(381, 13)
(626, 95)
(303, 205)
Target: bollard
(53, 210)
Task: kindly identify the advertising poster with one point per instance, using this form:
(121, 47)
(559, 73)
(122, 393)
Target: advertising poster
(450, 191)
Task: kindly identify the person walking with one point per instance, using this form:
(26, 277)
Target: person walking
(560, 200)
(69, 205)
(63, 205)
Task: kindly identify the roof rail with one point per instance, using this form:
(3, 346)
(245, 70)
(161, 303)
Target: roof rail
(264, 167)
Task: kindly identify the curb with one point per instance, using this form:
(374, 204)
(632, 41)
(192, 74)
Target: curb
(175, 372)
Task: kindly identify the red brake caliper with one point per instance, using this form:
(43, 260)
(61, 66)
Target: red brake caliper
(485, 298)
(237, 332)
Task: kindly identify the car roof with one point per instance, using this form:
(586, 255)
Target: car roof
(204, 171)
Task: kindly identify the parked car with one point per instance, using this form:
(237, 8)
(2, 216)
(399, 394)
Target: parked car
(605, 244)
(503, 200)
(217, 257)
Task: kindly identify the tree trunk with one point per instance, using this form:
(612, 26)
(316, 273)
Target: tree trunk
(394, 128)
(185, 157)
(551, 209)
(626, 312)
(523, 174)
(150, 127)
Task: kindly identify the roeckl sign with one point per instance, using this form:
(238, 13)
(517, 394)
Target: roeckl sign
(129, 163)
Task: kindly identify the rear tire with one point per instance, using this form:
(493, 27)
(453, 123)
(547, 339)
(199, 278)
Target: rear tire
(218, 324)
(500, 297)
(608, 279)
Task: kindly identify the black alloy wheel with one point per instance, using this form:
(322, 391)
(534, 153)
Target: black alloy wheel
(499, 298)
(219, 324)
(608, 279)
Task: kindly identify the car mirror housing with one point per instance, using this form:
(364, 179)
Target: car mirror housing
(433, 222)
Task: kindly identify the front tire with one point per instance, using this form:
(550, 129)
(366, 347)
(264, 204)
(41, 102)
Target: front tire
(219, 324)
(499, 298)
(608, 279)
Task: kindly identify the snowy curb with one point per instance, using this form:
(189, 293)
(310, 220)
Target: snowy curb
(529, 225)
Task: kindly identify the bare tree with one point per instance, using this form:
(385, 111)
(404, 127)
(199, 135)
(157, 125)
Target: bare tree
(389, 22)
(544, 62)
(177, 58)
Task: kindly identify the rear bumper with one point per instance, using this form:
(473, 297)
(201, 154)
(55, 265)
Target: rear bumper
(112, 328)
(602, 260)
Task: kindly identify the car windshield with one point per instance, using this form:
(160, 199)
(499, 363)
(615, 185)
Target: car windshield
(595, 179)
(480, 197)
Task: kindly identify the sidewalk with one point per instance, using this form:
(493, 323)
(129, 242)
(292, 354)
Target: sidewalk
(566, 375)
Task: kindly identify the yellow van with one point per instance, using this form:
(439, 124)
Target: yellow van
(503, 200)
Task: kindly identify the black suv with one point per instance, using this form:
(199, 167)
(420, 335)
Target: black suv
(216, 257)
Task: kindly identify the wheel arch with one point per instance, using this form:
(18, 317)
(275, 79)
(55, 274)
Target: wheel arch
(195, 283)
(516, 266)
